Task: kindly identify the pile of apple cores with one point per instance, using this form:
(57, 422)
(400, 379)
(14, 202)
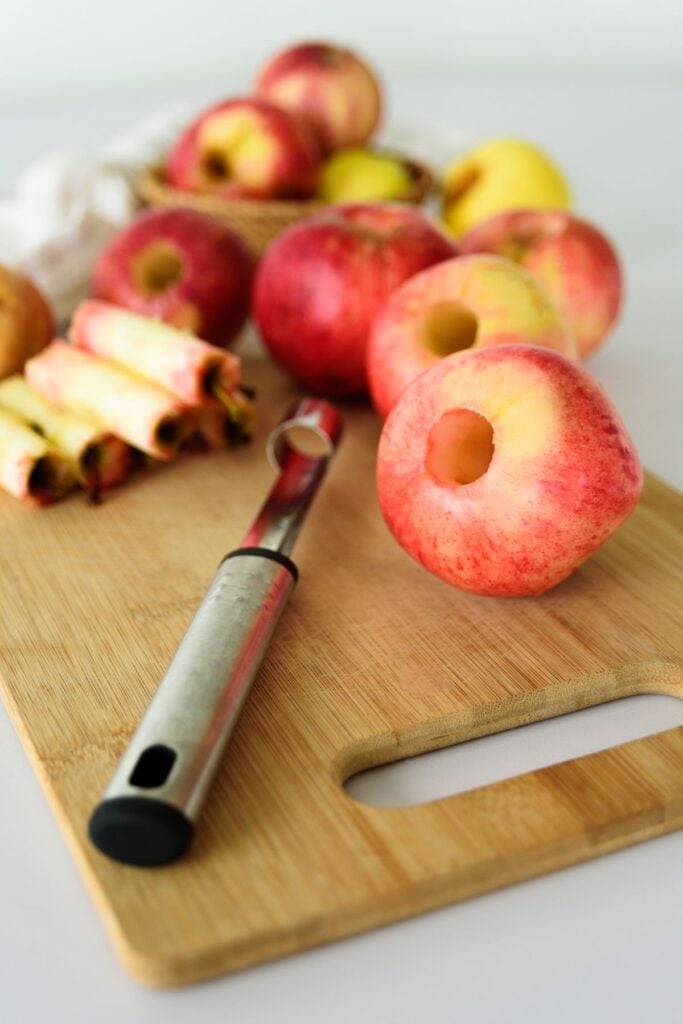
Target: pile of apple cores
(305, 132)
(122, 385)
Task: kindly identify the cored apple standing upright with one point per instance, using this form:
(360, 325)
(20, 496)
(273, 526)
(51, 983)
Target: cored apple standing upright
(467, 302)
(502, 469)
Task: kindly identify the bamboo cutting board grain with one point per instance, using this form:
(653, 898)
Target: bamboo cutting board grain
(374, 660)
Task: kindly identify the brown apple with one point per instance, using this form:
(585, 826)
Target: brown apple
(26, 321)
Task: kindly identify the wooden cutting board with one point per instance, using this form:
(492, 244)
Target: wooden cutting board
(374, 660)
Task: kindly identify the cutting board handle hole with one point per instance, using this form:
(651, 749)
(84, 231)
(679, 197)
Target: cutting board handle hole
(153, 767)
(489, 759)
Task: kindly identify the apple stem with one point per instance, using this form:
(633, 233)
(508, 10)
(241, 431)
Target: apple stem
(238, 414)
(91, 475)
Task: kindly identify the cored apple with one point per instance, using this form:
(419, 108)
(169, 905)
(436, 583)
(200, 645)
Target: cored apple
(331, 86)
(26, 321)
(182, 267)
(246, 148)
(501, 174)
(572, 259)
(322, 282)
(501, 470)
(466, 302)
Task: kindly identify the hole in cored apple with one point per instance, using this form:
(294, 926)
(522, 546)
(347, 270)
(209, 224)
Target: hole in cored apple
(157, 267)
(170, 431)
(459, 447)
(448, 327)
(50, 479)
(215, 166)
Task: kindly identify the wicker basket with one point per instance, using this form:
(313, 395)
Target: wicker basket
(258, 221)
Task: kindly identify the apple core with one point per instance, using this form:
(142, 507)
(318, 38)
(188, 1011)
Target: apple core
(460, 447)
(448, 327)
(157, 267)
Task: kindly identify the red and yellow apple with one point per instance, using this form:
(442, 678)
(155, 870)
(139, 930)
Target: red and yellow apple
(26, 321)
(322, 282)
(501, 470)
(501, 174)
(182, 267)
(330, 86)
(466, 302)
(246, 148)
(574, 262)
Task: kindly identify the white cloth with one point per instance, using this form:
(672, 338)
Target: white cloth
(69, 204)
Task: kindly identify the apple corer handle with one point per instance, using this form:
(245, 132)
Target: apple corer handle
(149, 812)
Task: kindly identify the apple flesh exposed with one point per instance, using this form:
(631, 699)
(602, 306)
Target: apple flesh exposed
(246, 148)
(333, 88)
(501, 470)
(466, 302)
(26, 321)
(322, 282)
(501, 174)
(182, 267)
(574, 262)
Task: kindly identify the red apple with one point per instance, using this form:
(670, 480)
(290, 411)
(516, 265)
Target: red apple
(572, 259)
(467, 302)
(246, 148)
(332, 87)
(182, 267)
(322, 282)
(502, 469)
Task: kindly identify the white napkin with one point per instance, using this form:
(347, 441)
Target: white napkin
(69, 204)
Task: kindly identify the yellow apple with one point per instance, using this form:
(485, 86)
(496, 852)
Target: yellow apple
(501, 174)
(359, 175)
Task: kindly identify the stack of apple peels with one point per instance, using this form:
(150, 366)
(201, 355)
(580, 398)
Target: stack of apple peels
(123, 384)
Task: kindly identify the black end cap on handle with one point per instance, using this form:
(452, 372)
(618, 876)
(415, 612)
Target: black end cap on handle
(139, 831)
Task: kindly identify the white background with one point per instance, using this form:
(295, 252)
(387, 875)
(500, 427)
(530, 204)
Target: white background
(48, 47)
(600, 85)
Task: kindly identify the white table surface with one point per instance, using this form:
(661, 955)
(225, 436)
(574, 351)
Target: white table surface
(600, 941)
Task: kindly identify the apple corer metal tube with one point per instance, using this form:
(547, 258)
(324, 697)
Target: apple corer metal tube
(149, 811)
